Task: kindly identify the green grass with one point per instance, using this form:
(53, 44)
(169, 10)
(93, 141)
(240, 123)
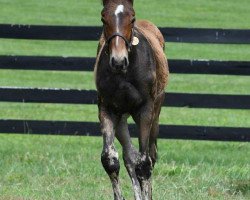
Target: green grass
(192, 13)
(88, 49)
(190, 83)
(175, 116)
(59, 167)
(47, 167)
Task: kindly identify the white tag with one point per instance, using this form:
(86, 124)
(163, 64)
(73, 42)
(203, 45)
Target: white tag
(135, 41)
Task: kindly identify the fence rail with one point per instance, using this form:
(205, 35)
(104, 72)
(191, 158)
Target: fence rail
(189, 35)
(86, 64)
(70, 96)
(92, 129)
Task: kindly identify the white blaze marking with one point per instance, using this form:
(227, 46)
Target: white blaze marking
(116, 41)
(119, 9)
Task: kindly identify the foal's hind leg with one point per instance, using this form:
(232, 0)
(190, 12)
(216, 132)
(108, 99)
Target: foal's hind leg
(130, 154)
(153, 136)
(155, 128)
(109, 157)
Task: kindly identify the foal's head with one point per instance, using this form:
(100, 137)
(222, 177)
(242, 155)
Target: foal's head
(118, 19)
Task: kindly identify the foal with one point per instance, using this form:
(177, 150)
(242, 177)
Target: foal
(131, 72)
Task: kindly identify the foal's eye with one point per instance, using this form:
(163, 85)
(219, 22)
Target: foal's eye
(103, 20)
(133, 20)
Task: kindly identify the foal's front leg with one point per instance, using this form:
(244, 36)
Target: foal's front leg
(130, 154)
(109, 156)
(144, 167)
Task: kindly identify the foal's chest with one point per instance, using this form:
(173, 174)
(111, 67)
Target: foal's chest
(119, 93)
(126, 92)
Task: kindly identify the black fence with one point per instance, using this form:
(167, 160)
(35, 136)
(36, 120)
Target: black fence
(39, 95)
(71, 96)
(192, 35)
(92, 129)
(86, 64)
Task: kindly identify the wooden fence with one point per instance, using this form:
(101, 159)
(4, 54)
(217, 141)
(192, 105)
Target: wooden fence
(39, 95)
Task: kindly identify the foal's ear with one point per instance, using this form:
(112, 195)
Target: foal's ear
(104, 2)
(131, 1)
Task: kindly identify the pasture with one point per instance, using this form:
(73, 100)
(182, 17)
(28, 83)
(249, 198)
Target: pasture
(60, 167)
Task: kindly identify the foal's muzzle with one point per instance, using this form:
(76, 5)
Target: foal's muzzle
(119, 64)
(119, 58)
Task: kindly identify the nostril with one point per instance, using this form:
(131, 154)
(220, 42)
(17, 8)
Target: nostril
(126, 63)
(112, 61)
(119, 64)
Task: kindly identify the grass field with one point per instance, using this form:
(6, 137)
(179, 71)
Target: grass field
(48, 167)
(56, 167)
(191, 13)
